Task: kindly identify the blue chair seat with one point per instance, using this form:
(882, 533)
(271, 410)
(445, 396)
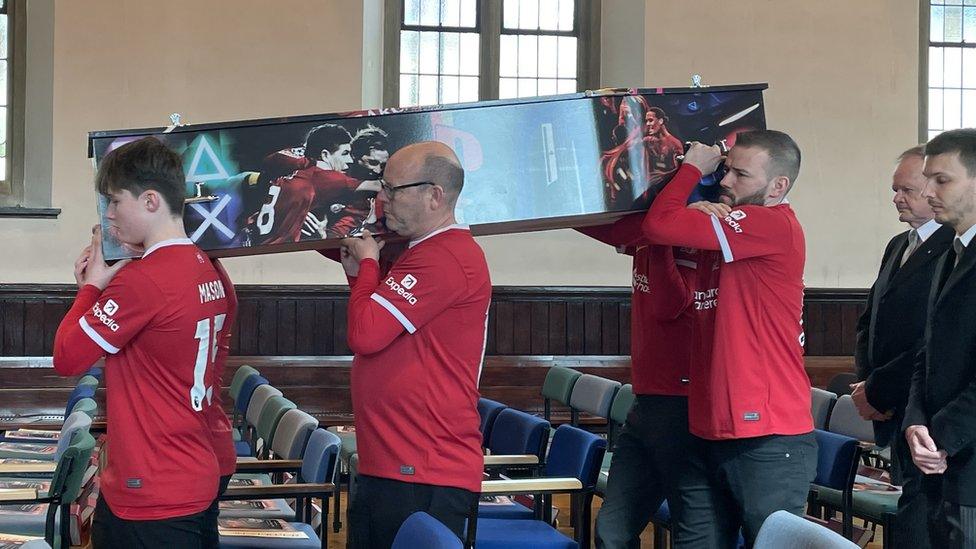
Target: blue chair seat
(520, 534)
(243, 448)
(236, 434)
(513, 510)
(242, 542)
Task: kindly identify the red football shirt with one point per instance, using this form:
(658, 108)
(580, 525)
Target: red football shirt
(290, 198)
(223, 439)
(419, 338)
(159, 320)
(754, 382)
(666, 306)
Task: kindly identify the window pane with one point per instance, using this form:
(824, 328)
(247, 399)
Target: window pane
(969, 24)
(548, 86)
(566, 9)
(510, 14)
(526, 87)
(529, 14)
(470, 53)
(450, 13)
(933, 133)
(450, 89)
(567, 86)
(408, 90)
(428, 90)
(549, 14)
(935, 66)
(469, 88)
(953, 24)
(935, 109)
(409, 53)
(3, 169)
(507, 88)
(567, 57)
(952, 102)
(3, 36)
(969, 108)
(952, 69)
(548, 57)
(430, 12)
(527, 56)
(508, 55)
(469, 12)
(3, 133)
(936, 24)
(969, 68)
(3, 83)
(428, 52)
(450, 54)
(411, 12)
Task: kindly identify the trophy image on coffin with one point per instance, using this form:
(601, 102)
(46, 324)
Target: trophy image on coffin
(278, 185)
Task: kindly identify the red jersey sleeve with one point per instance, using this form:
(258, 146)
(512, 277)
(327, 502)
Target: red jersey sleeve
(670, 222)
(625, 232)
(74, 352)
(122, 310)
(751, 231)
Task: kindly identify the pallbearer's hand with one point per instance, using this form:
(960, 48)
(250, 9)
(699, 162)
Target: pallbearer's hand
(926, 455)
(362, 247)
(717, 209)
(703, 157)
(96, 271)
(81, 264)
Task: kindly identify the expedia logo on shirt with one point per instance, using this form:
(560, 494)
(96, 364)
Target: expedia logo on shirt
(732, 220)
(409, 281)
(401, 291)
(105, 317)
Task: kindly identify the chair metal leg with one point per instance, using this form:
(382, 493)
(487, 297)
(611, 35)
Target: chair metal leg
(336, 522)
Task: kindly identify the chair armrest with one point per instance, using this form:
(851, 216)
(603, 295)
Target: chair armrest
(276, 491)
(39, 467)
(269, 465)
(531, 486)
(18, 494)
(517, 459)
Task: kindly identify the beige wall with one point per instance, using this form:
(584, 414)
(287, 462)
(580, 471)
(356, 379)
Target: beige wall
(843, 87)
(843, 80)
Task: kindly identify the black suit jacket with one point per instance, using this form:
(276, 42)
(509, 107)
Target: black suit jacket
(943, 393)
(890, 331)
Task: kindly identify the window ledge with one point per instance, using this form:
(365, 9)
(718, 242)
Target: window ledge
(30, 213)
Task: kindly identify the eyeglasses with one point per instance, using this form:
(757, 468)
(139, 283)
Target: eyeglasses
(391, 191)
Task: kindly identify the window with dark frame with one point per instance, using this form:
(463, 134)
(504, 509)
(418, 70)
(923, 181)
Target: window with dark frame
(451, 51)
(951, 84)
(5, 98)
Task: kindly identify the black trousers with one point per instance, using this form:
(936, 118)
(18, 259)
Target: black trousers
(737, 483)
(211, 537)
(918, 505)
(381, 505)
(112, 532)
(648, 457)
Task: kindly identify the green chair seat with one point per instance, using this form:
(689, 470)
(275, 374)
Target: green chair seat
(868, 504)
(348, 443)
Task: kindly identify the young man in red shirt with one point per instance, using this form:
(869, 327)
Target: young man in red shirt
(749, 399)
(666, 308)
(159, 320)
(418, 332)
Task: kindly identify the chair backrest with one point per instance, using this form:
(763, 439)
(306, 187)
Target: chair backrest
(840, 384)
(488, 410)
(291, 435)
(274, 410)
(319, 463)
(558, 385)
(78, 393)
(821, 403)
(622, 403)
(258, 399)
(75, 423)
(96, 371)
(237, 382)
(837, 458)
(88, 379)
(576, 453)
(593, 395)
(86, 405)
(248, 386)
(71, 467)
(516, 432)
(784, 530)
(423, 530)
(845, 420)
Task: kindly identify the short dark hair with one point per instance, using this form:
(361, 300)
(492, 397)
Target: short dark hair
(784, 154)
(326, 137)
(918, 151)
(445, 172)
(367, 139)
(139, 166)
(659, 112)
(961, 141)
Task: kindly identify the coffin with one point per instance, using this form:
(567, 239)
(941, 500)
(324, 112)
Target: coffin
(530, 164)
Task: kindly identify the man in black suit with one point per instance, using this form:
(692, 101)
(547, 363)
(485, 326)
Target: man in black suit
(889, 335)
(940, 420)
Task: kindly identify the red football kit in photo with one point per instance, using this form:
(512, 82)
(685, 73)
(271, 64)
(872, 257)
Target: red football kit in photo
(159, 321)
(749, 379)
(419, 337)
(220, 427)
(666, 306)
(291, 197)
